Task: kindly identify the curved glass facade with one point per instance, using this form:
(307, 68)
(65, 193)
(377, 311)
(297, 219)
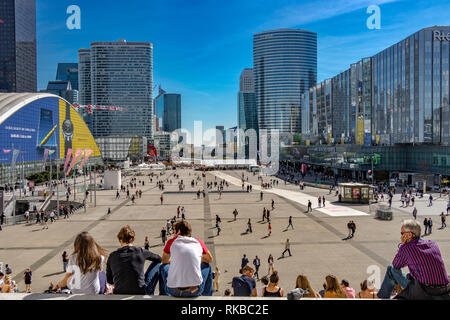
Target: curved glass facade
(284, 66)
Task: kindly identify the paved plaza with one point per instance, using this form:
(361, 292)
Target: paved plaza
(316, 241)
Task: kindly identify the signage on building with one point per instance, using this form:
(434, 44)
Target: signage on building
(438, 35)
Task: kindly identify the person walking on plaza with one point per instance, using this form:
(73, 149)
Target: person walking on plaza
(163, 235)
(425, 223)
(261, 196)
(427, 278)
(161, 198)
(178, 212)
(349, 227)
(146, 244)
(249, 226)
(235, 213)
(415, 213)
(430, 225)
(309, 206)
(430, 200)
(109, 211)
(270, 261)
(27, 216)
(264, 214)
(273, 204)
(216, 276)
(323, 201)
(117, 195)
(287, 248)
(269, 228)
(52, 216)
(290, 223)
(257, 264)
(27, 278)
(443, 220)
(218, 227)
(183, 213)
(244, 262)
(319, 201)
(268, 215)
(353, 226)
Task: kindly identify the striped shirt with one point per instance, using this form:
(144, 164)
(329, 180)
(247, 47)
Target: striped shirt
(424, 262)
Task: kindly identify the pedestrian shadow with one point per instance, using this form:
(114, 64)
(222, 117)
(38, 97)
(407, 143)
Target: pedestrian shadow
(53, 274)
(35, 230)
(265, 237)
(347, 238)
(213, 236)
(231, 221)
(244, 233)
(157, 245)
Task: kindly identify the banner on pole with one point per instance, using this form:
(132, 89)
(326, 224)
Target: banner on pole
(87, 154)
(74, 160)
(45, 159)
(69, 153)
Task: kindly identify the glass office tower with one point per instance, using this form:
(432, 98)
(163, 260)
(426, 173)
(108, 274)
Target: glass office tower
(247, 113)
(68, 72)
(121, 75)
(18, 46)
(284, 66)
(398, 96)
(168, 111)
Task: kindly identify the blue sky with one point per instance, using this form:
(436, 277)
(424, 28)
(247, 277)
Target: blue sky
(201, 46)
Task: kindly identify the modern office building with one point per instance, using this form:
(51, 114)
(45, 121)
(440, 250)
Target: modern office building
(168, 111)
(117, 149)
(121, 75)
(18, 72)
(398, 96)
(63, 89)
(284, 66)
(68, 72)
(30, 123)
(392, 107)
(247, 112)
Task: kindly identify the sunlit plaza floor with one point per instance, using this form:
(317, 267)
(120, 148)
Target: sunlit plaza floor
(316, 242)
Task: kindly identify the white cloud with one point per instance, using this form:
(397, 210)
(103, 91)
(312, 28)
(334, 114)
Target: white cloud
(317, 10)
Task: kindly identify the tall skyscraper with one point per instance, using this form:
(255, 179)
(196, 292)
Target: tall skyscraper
(168, 111)
(68, 72)
(284, 66)
(121, 75)
(18, 46)
(247, 113)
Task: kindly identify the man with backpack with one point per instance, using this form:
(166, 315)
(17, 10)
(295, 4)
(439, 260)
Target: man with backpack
(243, 286)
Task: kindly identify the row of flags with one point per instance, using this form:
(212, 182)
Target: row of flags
(83, 154)
(89, 108)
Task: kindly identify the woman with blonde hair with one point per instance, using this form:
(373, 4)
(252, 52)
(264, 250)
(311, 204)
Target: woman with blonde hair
(85, 266)
(334, 289)
(303, 283)
(367, 290)
(216, 279)
(7, 285)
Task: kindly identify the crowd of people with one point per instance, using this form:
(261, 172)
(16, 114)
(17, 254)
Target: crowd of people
(185, 267)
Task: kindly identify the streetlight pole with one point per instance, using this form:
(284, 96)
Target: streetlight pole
(95, 187)
(90, 181)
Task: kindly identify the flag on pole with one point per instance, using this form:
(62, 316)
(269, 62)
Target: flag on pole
(87, 154)
(69, 153)
(44, 159)
(14, 158)
(6, 151)
(74, 160)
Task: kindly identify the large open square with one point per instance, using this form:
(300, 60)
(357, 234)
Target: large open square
(317, 244)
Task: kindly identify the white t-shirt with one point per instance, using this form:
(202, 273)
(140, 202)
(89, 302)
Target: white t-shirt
(185, 261)
(259, 291)
(88, 283)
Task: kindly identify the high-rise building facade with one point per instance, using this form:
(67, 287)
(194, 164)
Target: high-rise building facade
(18, 71)
(284, 67)
(168, 111)
(121, 75)
(68, 72)
(398, 96)
(247, 113)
